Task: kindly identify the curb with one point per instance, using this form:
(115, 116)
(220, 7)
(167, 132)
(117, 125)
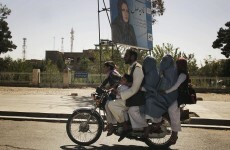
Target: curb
(193, 122)
(34, 114)
(202, 121)
(59, 120)
(206, 126)
(16, 118)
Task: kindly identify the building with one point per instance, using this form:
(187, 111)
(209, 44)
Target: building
(71, 59)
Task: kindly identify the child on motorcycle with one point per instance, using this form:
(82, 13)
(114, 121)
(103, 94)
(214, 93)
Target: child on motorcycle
(125, 83)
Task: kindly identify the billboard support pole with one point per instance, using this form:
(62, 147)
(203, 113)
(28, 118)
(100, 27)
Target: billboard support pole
(99, 31)
(99, 37)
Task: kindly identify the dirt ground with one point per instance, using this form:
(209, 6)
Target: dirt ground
(59, 91)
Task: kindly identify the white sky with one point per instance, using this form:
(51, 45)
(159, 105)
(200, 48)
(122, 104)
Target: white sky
(190, 25)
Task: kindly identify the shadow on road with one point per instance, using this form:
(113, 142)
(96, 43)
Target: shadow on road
(106, 147)
(80, 101)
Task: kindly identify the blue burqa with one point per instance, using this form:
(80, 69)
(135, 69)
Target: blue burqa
(156, 104)
(168, 68)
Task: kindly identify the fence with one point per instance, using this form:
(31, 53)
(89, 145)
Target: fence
(26, 79)
(15, 78)
(211, 82)
(51, 80)
(58, 80)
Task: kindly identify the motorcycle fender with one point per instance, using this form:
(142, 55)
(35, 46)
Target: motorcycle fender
(91, 110)
(83, 108)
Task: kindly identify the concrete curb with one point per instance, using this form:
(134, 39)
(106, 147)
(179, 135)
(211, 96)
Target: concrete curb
(206, 126)
(34, 114)
(61, 120)
(202, 121)
(16, 118)
(193, 122)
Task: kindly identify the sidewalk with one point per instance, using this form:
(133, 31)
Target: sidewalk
(59, 107)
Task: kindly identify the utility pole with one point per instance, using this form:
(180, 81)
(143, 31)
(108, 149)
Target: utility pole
(54, 43)
(71, 39)
(62, 45)
(24, 49)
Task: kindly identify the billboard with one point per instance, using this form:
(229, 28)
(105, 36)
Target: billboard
(131, 22)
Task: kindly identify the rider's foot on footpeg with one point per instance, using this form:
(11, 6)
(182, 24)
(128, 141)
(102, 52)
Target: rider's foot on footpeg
(123, 135)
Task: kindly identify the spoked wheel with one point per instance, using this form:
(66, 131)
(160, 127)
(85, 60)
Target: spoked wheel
(84, 127)
(159, 143)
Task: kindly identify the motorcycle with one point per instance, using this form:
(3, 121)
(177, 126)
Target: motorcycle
(85, 125)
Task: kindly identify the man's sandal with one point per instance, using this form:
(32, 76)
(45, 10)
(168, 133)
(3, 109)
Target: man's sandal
(105, 128)
(173, 140)
(110, 129)
(152, 128)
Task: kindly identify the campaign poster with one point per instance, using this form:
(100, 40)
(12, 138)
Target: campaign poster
(131, 23)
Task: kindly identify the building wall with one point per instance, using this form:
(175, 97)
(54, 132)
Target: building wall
(73, 59)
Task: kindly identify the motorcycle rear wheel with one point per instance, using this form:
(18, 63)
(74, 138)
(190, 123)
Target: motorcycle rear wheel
(161, 143)
(81, 131)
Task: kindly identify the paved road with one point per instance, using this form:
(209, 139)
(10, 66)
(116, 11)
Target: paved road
(29, 135)
(214, 112)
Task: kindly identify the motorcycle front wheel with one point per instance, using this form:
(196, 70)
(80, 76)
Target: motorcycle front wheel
(84, 127)
(161, 143)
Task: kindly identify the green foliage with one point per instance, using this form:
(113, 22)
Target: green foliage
(5, 35)
(40, 65)
(107, 54)
(51, 68)
(225, 68)
(159, 51)
(10, 65)
(51, 74)
(95, 66)
(5, 64)
(214, 68)
(223, 40)
(4, 11)
(19, 65)
(60, 63)
(192, 65)
(157, 9)
(84, 64)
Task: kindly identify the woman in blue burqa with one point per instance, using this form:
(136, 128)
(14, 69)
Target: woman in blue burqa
(122, 30)
(157, 104)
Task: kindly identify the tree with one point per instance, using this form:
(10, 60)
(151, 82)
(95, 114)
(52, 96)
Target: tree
(5, 64)
(159, 51)
(60, 63)
(5, 44)
(107, 53)
(157, 9)
(192, 66)
(215, 68)
(223, 40)
(84, 64)
(225, 68)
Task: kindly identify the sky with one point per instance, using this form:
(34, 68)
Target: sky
(191, 26)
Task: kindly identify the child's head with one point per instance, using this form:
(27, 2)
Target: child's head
(182, 65)
(126, 79)
(110, 64)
